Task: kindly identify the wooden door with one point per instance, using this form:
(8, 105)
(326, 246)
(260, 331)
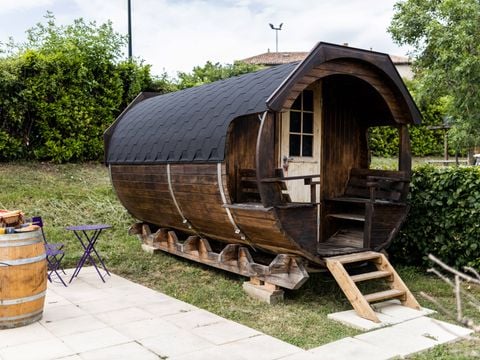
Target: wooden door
(300, 141)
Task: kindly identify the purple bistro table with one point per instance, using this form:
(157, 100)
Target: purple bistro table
(88, 235)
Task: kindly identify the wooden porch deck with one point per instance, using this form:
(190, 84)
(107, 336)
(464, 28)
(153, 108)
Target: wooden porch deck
(344, 241)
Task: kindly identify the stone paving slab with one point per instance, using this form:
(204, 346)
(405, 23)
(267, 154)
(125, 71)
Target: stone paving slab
(413, 336)
(395, 340)
(52, 348)
(129, 351)
(437, 330)
(175, 343)
(224, 332)
(352, 348)
(389, 313)
(122, 320)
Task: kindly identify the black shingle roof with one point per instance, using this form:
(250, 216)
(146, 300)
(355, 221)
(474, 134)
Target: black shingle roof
(191, 124)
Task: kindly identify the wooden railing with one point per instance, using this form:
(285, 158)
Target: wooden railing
(308, 180)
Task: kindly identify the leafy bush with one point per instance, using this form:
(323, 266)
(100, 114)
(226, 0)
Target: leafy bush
(383, 141)
(444, 218)
(424, 142)
(211, 72)
(61, 89)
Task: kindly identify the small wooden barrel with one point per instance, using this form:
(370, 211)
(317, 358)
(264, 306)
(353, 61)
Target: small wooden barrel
(23, 278)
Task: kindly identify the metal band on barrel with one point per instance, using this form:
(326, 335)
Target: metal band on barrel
(19, 317)
(22, 261)
(224, 201)
(170, 188)
(15, 243)
(22, 300)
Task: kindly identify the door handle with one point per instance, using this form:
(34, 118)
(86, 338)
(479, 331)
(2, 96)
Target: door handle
(285, 162)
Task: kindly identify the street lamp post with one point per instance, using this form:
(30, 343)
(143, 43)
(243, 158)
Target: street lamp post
(129, 29)
(277, 29)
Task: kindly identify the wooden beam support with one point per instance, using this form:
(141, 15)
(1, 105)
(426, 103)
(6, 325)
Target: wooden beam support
(284, 271)
(405, 157)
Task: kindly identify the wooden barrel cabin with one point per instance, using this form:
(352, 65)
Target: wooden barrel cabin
(272, 162)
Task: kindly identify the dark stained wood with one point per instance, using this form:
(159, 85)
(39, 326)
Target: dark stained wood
(242, 201)
(270, 193)
(381, 185)
(201, 205)
(344, 142)
(240, 157)
(376, 197)
(405, 158)
(330, 69)
(300, 223)
(356, 59)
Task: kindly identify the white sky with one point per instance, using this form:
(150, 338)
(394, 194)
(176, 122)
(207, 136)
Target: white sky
(175, 35)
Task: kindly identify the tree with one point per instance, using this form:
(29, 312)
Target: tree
(446, 41)
(62, 88)
(211, 72)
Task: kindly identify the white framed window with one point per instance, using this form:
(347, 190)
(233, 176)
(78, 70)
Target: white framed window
(301, 126)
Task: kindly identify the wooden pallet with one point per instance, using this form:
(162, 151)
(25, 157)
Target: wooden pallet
(384, 270)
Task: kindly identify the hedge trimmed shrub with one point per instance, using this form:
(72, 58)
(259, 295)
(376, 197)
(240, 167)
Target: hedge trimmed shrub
(61, 89)
(383, 141)
(444, 218)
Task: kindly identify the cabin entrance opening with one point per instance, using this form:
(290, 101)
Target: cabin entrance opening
(241, 166)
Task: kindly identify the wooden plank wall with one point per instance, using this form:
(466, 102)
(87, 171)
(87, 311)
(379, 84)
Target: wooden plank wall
(344, 137)
(367, 73)
(143, 190)
(264, 230)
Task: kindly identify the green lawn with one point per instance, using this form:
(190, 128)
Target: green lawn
(392, 163)
(81, 193)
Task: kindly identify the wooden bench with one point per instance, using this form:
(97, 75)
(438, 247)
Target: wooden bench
(247, 186)
(372, 208)
(376, 186)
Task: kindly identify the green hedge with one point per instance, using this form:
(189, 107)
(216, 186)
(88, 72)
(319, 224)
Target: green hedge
(383, 141)
(444, 218)
(62, 89)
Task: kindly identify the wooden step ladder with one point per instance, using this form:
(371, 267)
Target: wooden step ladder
(360, 302)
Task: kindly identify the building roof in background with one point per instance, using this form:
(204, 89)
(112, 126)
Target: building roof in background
(276, 58)
(285, 57)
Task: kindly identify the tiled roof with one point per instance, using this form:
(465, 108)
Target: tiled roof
(278, 58)
(191, 124)
(275, 58)
(400, 60)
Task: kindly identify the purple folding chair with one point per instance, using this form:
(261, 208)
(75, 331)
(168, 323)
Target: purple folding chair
(54, 253)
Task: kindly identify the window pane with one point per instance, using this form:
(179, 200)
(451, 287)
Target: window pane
(297, 104)
(308, 100)
(307, 123)
(294, 145)
(307, 145)
(295, 123)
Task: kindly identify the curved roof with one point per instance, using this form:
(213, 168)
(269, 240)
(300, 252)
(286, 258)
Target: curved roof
(191, 125)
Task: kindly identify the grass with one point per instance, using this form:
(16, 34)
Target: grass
(392, 163)
(81, 193)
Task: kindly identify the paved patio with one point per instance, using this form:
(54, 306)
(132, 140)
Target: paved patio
(124, 320)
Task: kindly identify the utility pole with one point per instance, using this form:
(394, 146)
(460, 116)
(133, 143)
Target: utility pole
(129, 29)
(277, 29)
